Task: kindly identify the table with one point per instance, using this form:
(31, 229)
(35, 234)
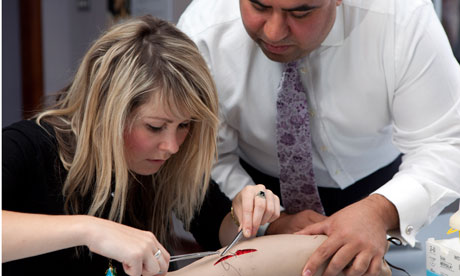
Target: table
(413, 260)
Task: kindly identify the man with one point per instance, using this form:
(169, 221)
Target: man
(380, 80)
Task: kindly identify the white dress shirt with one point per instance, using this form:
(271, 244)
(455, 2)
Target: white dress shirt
(383, 82)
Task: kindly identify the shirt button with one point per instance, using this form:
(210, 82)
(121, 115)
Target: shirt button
(337, 171)
(303, 70)
(409, 229)
(312, 113)
(323, 148)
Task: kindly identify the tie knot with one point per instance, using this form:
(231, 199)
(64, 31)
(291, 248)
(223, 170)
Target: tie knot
(292, 65)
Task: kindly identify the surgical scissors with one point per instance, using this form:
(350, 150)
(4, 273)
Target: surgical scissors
(207, 253)
(235, 240)
(192, 256)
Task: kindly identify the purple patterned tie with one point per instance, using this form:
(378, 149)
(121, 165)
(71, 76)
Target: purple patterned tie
(297, 181)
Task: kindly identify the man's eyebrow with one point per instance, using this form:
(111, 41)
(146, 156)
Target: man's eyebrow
(260, 4)
(300, 8)
(303, 7)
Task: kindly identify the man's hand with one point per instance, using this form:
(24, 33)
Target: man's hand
(289, 224)
(356, 238)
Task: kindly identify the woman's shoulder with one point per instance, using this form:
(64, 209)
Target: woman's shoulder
(29, 129)
(28, 137)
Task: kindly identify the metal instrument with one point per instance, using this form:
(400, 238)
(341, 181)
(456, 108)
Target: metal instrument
(192, 256)
(235, 240)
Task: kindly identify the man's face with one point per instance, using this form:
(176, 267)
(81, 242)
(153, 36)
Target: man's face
(287, 30)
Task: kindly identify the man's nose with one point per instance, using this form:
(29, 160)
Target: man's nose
(276, 28)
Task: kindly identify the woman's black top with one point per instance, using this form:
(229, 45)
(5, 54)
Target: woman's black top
(33, 177)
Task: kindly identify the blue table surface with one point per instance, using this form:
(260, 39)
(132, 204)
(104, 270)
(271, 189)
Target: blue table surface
(413, 260)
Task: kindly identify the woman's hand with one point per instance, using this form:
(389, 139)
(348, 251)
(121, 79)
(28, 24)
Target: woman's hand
(139, 251)
(254, 206)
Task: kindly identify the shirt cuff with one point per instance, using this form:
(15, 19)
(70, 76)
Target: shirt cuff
(262, 229)
(412, 203)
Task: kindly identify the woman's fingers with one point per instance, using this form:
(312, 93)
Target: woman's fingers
(155, 262)
(139, 251)
(133, 268)
(151, 265)
(158, 265)
(164, 260)
(270, 211)
(247, 210)
(256, 206)
(260, 208)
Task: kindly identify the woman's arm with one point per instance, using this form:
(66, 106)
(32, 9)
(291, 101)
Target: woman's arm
(25, 235)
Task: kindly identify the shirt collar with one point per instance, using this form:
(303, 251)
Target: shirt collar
(336, 35)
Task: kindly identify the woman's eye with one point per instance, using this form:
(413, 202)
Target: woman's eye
(154, 128)
(185, 125)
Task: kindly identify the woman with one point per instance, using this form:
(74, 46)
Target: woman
(90, 185)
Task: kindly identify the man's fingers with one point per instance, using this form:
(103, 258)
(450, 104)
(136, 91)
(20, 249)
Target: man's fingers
(327, 249)
(344, 259)
(376, 266)
(313, 229)
(317, 217)
(363, 264)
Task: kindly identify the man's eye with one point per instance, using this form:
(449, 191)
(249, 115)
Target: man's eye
(300, 14)
(257, 6)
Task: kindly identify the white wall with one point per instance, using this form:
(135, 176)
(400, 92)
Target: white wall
(11, 63)
(67, 34)
(166, 9)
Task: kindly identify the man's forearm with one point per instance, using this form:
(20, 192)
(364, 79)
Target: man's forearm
(386, 210)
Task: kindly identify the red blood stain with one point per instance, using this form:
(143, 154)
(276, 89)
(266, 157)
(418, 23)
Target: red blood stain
(244, 251)
(237, 253)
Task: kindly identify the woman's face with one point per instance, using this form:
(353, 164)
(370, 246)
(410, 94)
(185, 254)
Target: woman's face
(154, 135)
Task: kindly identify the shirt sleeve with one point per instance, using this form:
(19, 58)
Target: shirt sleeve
(227, 171)
(206, 223)
(426, 122)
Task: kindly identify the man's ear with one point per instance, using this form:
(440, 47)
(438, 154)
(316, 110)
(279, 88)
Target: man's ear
(338, 2)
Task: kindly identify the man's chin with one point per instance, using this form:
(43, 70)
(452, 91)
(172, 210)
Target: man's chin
(284, 58)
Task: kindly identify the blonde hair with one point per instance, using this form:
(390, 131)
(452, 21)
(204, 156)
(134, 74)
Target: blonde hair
(119, 73)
